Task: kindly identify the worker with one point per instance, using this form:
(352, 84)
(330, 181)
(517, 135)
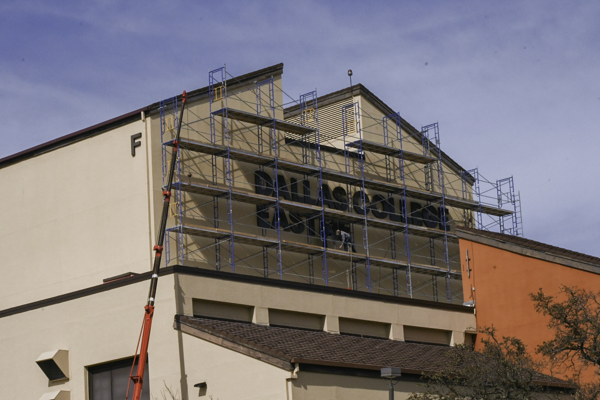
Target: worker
(346, 240)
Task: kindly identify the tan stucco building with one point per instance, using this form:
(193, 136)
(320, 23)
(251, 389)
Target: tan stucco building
(256, 298)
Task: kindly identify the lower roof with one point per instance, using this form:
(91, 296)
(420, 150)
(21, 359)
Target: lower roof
(283, 347)
(292, 345)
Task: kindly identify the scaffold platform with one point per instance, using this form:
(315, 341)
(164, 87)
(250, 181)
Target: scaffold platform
(308, 249)
(390, 151)
(293, 206)
(257, 119)
(336, 176)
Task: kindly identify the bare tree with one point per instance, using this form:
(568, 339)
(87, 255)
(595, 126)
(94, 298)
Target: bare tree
(502, 370)
(168, 393)
(575, 321)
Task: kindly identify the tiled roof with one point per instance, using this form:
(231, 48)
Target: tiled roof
(321, 348)
(533, 245)
(299, 345)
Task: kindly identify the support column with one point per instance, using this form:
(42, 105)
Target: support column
(397, 332)
(332, 324)
(260, 316)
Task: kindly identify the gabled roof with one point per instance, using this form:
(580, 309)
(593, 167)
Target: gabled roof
(360, 90)
(531, 248)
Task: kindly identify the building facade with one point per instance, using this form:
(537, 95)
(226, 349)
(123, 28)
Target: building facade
(501, 271)
(252, 253)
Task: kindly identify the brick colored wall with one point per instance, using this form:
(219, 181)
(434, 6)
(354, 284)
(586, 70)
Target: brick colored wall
(500, 282)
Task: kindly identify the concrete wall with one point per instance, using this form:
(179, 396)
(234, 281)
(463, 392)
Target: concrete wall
(104, 327)
(74, 216)
(316, 386)
(95, 329)
(332, 307)
(229, 375)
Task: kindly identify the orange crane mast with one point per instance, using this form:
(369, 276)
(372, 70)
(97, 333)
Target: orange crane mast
(138, 378)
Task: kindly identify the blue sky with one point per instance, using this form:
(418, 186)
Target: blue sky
(515, 86)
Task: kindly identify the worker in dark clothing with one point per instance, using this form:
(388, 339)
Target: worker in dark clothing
(346, 240)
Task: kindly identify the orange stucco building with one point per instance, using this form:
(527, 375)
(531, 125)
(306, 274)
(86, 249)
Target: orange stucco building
(500, 271)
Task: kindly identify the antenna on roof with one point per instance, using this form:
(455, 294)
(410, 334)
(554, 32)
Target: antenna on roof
(350, 75)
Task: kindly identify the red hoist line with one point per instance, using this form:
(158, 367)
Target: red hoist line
(138, 378)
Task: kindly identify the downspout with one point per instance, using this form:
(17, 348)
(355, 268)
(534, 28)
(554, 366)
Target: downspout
(288, 381)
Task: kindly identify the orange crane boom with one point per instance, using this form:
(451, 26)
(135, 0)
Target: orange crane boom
(138, 378)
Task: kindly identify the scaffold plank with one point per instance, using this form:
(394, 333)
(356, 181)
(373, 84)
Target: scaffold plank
(303, 248)
(390, 151)
(474, 206)
(337, 176)
(246, 197)
(257, 119)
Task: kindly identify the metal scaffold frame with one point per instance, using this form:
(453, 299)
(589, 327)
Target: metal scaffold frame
(169, 123)
(210, 143)
(427, 148)
(388, 167)
(218, 77)
(356, 128)
(501, 191)
(310, 111)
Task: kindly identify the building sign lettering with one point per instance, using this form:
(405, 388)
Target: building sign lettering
(378, 206)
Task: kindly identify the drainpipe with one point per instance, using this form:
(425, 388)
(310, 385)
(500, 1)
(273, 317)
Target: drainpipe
(288, 381)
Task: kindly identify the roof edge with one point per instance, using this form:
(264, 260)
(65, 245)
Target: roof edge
(504, 242)
(234, 82)
(225, 276)
(360, 89)
(354, 366)
(72, 137)
(125, 119)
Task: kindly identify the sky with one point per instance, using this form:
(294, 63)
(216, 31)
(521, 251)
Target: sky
(514, 85)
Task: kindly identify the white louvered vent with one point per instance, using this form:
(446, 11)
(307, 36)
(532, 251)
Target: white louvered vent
(330, 123)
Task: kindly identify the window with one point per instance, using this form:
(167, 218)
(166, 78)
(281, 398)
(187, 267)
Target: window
(293, 319)
(221, 310)
(427, 335)
(109, 381)
(363, 328)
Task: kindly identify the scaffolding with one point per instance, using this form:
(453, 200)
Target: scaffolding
(239, 152)
(502, 191)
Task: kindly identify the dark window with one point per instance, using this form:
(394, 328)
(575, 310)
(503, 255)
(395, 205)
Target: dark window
(109, 381)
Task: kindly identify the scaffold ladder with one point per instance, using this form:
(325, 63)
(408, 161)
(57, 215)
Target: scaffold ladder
(309, 101)
(505, 189)
(427, 136)
(217, 91)
(395, 118)
(348, 124)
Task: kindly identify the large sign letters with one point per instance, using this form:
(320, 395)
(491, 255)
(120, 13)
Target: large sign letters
(379, 206)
